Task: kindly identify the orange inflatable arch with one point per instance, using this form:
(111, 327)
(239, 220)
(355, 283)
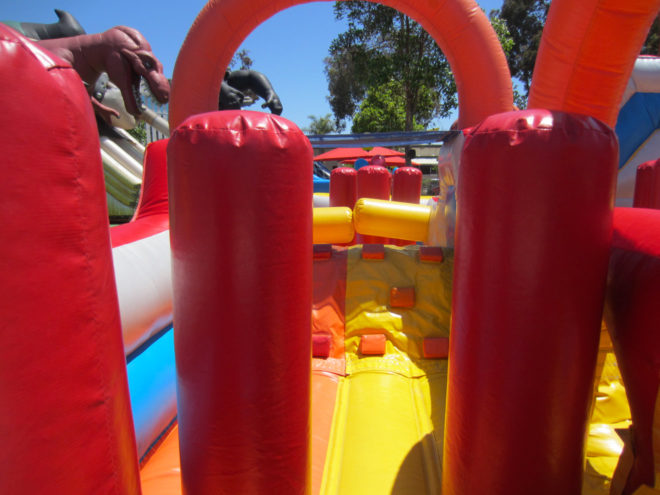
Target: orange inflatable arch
(585, 59)
(587, 54)
(460, 28)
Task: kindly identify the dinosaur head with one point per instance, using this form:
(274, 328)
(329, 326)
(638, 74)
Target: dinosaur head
(127, 58)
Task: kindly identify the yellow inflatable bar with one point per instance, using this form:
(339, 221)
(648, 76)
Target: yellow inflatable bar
(393, 219)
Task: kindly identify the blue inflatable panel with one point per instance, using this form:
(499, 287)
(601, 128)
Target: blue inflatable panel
(638, 119)
(152, 388)
(321, 185)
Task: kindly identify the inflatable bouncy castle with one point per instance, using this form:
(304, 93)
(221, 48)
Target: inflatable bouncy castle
(230, 340)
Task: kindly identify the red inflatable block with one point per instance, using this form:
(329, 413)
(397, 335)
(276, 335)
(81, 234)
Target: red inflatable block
(431, 254)
(436, 347)
(402, 297)
(321, 344)
(322, 251)
(373, 252)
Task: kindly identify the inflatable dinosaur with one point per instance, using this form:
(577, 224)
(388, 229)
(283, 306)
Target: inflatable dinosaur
(66, 26)
(124, 54)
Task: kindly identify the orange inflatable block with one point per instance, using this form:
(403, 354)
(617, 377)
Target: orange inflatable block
(373, 252)
(431, 254)
(402, 297)
(373, 345)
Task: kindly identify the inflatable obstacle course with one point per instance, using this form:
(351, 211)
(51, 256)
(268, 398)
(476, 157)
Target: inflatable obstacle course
(530, 272)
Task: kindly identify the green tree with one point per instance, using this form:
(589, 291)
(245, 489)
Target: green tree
(241, 60)
(385, 51)
(383, 109)
(139, 132)
(524, 20)
(320, 125)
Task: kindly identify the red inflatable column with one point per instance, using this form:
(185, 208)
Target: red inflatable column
(65, 418)
(633, 319)
(241, 228)
(532, 246)
(343, 187)
(407, 188)
(152, 213)
(374, 181)
(647, 185)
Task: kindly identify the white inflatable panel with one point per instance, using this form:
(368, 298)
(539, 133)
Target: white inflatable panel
(625, 186)
(144, 286)
(321, 200)
(645, 78)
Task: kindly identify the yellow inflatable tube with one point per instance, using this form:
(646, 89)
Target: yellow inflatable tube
(338, 225)
(392, 219)
(333, 225)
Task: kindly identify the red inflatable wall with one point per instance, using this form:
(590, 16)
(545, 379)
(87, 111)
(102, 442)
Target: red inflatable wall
(65, 419)
(241, 229)
(532, 246)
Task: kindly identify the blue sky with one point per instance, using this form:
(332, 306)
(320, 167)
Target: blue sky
(289, 47)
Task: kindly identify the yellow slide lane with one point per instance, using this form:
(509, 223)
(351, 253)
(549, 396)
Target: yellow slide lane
(386, 434)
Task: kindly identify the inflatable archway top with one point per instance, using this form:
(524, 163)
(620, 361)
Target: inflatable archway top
(587, 54)
(460, 28)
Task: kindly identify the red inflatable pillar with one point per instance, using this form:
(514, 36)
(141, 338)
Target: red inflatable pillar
(532, 246)
(407, 188)
(152, 213)
(633, 319)
(65, 418)
(153, 195)
(374, 181)
(647, 185)
(343, 189)
(241, 229)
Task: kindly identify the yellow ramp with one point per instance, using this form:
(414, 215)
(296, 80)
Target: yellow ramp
(386, 435)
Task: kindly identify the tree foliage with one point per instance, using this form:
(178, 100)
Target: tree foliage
(320, 125)
(241, 60)
(383, 109)
(385, 53)
(139, 132)
(525, 20)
